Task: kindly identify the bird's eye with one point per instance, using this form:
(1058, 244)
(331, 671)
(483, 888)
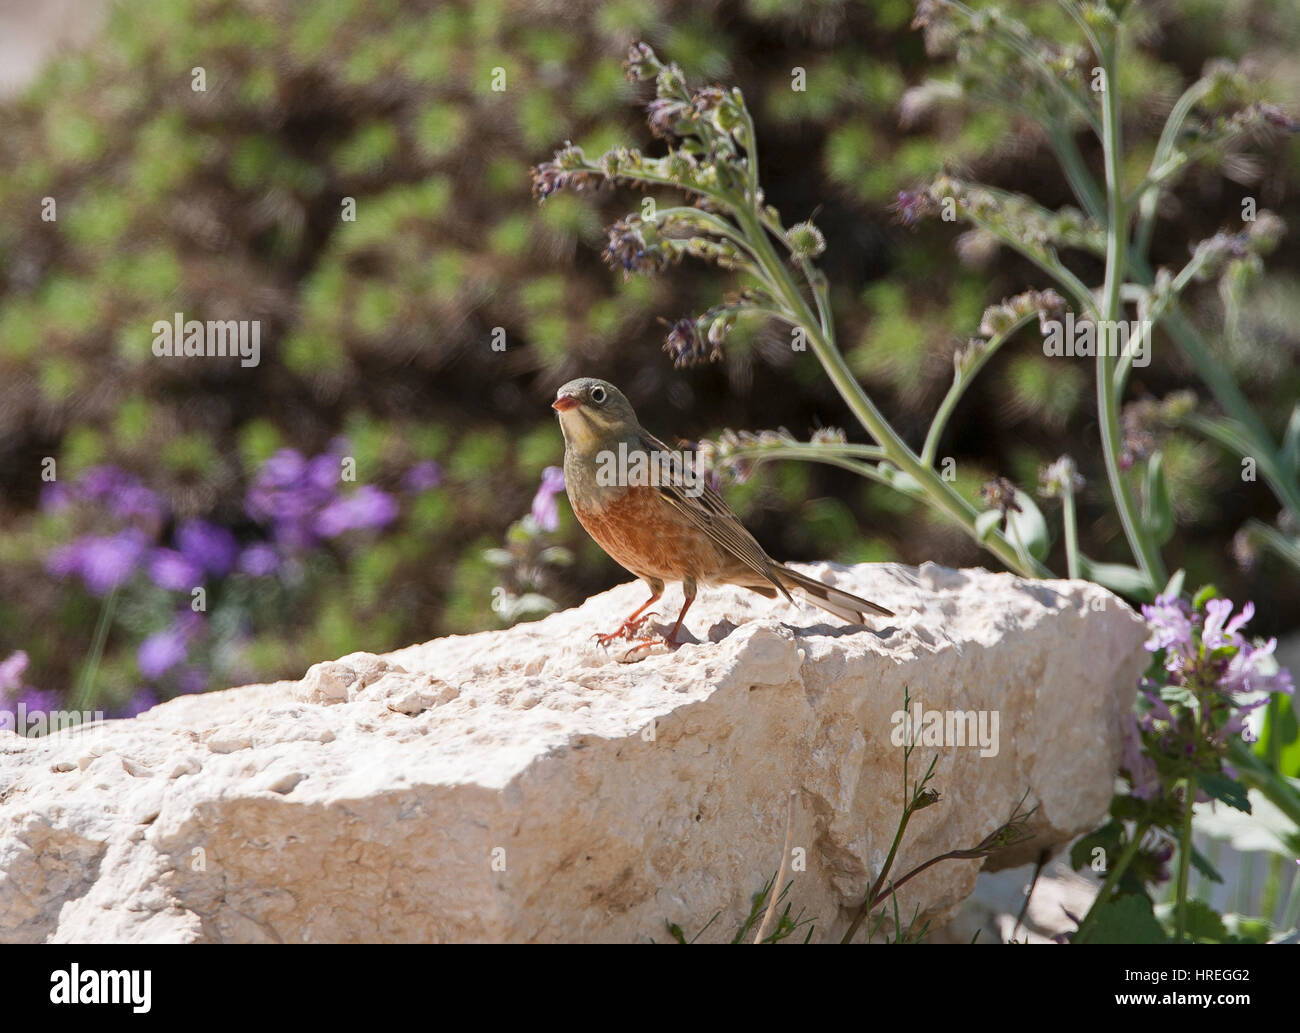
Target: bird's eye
(598, 395)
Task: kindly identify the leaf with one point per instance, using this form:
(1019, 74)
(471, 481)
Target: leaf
(907, 484)
(899, 480)
(1028, 526)
(1243, 929)
(1291, 442)
(1106, 839)
(1202, 864)
(1157, 509)
(1280, 723)
(1175, 585)
(1178, 694)
(1203, 595)
(1125, 919)
(1120, 578)
(985, 524)
(1203, 922)
(1227, 790)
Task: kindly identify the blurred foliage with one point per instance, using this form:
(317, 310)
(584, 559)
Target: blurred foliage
(228, 203)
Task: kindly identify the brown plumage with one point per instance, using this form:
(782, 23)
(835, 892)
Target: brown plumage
(667, 526)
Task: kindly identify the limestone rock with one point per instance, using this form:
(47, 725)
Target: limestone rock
(526, 785)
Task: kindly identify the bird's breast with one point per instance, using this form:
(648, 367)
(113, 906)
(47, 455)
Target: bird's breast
(647, 535)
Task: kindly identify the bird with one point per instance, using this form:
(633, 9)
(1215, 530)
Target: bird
(649, 509)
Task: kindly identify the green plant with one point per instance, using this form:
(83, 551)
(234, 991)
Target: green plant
(713, 158)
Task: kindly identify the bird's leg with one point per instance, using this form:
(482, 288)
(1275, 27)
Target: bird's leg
(688, 588)
(690, 598)
(630, 626)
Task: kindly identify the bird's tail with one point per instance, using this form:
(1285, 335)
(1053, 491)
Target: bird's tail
(844, 605)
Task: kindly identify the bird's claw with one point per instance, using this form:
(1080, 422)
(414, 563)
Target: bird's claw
(627, 630)
(650, 643)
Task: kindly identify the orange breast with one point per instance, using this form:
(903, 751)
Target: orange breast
(649, 537)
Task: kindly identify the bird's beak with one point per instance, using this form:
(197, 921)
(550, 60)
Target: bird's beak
(564, 403)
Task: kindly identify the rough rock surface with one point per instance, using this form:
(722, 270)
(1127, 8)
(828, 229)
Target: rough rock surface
(526, 785)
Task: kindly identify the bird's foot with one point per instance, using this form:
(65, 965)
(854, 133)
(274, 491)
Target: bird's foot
(668, 640)
(627, 630)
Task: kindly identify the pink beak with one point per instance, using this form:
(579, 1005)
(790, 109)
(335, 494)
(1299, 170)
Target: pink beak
(564, 403)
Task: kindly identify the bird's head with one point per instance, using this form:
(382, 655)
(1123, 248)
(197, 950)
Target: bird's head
(593, 412)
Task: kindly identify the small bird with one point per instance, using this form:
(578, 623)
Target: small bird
(648, 508)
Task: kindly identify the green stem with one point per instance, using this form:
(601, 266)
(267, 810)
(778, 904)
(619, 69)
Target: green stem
(86, 682)
(1047, 261)
(1184, 861)
(1068, 518)
(1112, 879)
(1237, 438)
(960, 382)
(1076, 172)
(869, 902)
(941, 494)
(716, 225)
(1186, 337)
(1149, 196)
(1287, 548)
(815, 454)
(1143, 548)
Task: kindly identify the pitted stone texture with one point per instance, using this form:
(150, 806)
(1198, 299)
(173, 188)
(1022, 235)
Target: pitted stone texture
(526, 785)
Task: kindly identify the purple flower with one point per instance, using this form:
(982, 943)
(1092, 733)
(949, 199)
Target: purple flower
(101, 483)
(283, 469)
(566, 172)
(289, 492)
(164, 650)
(324, 472)
(367, 507)
(192, 679)
(1255, 669)
(259, 560)
(35, 701)
(143, 700)
(1215, 634)
(687, 347)
(102, 563)
(174, 571)
(110, 492)
(628, 248)
(910, 206)
(11, 672)
(136, 502)
(1142, 773)
(1170, 624)
(545, 513)
(664, 113)
(422, 476)
(208, 545)
(55, 496)
(160, 652)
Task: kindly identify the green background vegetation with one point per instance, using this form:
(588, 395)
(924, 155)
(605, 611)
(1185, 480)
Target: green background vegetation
(226, 204)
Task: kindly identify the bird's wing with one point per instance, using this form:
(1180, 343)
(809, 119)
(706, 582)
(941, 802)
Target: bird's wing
(708, 511)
